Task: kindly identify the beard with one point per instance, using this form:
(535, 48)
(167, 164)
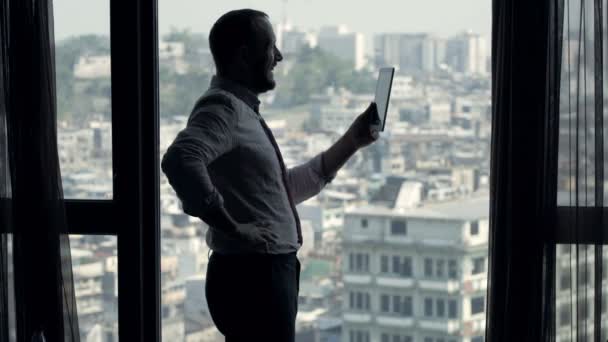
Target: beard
(262, 80)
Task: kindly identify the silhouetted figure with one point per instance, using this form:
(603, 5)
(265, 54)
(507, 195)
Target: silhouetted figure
(226, 169)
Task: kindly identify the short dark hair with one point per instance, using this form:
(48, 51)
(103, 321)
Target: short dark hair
(230, 31)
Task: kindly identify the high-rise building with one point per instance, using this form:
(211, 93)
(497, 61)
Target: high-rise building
(342, 43)
(416, 274)
(290, 39)
(467, 53)
(409, 52)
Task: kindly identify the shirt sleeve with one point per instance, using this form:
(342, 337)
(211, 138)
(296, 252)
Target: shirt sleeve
(208, 135)
(308, 179)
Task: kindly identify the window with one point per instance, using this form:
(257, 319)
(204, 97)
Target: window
(565, 280)
(452, 308)
(384, 264)
(428, 307)
(474, 228)
(440, 308)
(396, 264)
(363, 223)
(452, 269)
(477, 339)
(408, 306)
(398, 227)
(479, 265)
(358, 262)
(428, 339)
(385, 305)
(477, 305)
(406, 267)
(440, 268)
(359, 300)
(84, 113)
(428, 267)
(396, 304)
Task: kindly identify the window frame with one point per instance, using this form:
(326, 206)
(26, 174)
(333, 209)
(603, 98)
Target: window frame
(133, 213)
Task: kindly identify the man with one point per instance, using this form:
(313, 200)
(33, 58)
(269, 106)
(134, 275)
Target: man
(227, 170)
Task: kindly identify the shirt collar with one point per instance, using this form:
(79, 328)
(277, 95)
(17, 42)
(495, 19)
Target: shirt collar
(244, 94)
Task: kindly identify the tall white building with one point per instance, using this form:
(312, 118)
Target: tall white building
(409, 52)
(342, 43)
(416, 274)
(290, 39)
(467, 53)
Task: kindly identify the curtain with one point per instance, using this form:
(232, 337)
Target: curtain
(581, 271)
(525, 75)
(32, 212)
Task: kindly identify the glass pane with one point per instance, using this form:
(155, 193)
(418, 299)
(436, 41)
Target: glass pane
(575, 292)
(95, 271)
(429, 172)
(84, 130)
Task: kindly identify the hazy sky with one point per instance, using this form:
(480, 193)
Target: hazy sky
(444, 17)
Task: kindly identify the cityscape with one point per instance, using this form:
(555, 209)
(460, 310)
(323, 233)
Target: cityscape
(395, 247)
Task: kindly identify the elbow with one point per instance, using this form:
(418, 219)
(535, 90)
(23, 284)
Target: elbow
(167, 163)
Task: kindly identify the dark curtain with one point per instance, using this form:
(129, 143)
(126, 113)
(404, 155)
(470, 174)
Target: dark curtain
(525, 67)
(582, 265)
(33, 214)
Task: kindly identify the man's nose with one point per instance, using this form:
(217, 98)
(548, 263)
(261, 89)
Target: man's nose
(278, 54)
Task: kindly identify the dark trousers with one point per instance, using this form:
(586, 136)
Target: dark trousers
(254, 297)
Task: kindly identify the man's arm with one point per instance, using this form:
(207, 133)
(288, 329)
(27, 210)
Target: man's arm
(309, 179)
(208, 135)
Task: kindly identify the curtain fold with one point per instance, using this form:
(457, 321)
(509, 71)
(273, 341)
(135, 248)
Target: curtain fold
(581, 273)
(32, 207)
(520, 305)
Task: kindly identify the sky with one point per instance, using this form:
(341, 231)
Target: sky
(443, 17)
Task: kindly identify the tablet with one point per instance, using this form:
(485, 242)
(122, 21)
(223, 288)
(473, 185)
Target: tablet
(383, 93)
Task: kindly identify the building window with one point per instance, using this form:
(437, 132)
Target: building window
(359, 262)
(452, 269)
(428, 307)
(477, 339)
(440, 308)
(396, 264)
(408, 307)
(396, 304)
(428, 339)
(385, 337)
(474, 227)
(398, 227)
(428, 267)
(359, 301)
(384, 264)
(440, 267)
(479, 265)
(363, 223)
(406, 267)
(477, 305)
(385, 303)
(452, 308)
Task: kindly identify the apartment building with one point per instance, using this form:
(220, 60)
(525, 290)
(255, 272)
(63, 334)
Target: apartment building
(416, 274)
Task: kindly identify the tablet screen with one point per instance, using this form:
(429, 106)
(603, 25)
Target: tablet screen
(383, 93)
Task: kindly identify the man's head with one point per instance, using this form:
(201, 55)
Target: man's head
(243, 46)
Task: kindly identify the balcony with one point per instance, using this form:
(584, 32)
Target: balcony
(363, 279)
(395, 282)
(357, 317)
(443, 326)
(449, 286)
(395, 321)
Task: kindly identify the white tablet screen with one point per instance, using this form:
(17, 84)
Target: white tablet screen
(383, 92)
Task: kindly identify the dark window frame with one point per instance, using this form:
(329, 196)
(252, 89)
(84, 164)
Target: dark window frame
(133, 213)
